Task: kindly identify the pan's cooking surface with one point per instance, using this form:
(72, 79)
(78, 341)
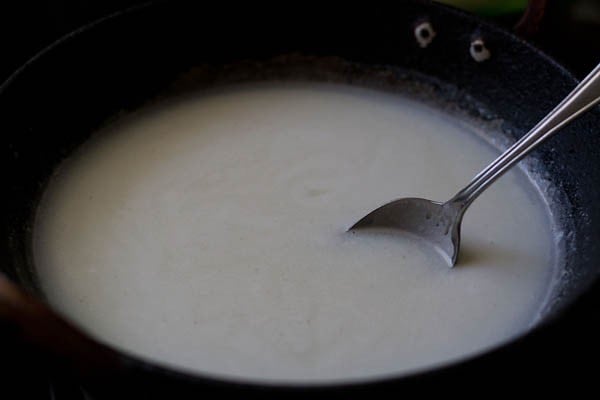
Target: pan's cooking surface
(209, 232)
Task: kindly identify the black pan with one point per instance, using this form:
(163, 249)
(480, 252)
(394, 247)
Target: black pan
(53, 103)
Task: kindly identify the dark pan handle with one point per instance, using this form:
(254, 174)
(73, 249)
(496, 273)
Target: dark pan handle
(37, 343)
(531, 21)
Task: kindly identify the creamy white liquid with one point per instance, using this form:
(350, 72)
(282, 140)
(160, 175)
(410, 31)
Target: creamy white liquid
(209, 233)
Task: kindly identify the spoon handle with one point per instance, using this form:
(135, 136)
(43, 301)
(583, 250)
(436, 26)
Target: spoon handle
(581, 99)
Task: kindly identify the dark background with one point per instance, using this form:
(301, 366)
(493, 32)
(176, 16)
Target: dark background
(570, 29)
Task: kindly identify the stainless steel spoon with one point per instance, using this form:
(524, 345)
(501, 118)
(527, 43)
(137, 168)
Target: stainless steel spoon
(439, 223)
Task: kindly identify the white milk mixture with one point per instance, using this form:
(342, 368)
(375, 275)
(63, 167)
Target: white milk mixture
(209, 233)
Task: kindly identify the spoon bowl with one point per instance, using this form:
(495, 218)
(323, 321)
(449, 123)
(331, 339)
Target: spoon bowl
(435, 222)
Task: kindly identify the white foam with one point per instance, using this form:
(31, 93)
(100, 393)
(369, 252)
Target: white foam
(208, 233)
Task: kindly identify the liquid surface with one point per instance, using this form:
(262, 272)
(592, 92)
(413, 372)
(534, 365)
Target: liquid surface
(209, 233)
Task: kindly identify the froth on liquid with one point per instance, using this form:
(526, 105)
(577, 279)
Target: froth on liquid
(208, 233)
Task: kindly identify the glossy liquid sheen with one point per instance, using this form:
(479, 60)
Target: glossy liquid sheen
(209, 233)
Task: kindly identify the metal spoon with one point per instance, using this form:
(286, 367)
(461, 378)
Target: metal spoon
(439, 223)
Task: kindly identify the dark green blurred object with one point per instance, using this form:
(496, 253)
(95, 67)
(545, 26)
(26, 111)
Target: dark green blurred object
(489, 7)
